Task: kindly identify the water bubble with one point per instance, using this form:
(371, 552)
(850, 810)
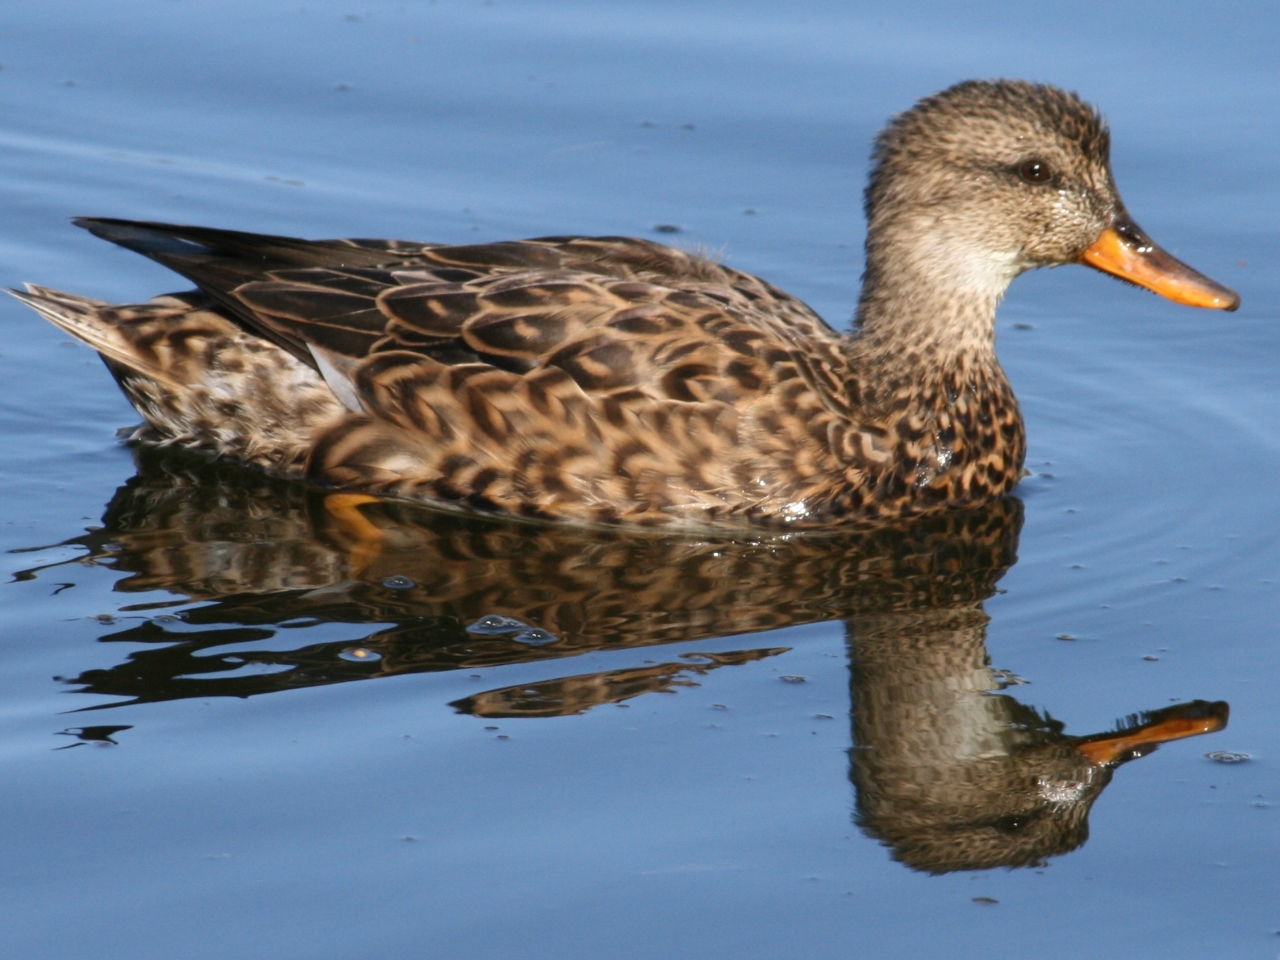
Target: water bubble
(535, 637)
(1228, 756)
(493, 624)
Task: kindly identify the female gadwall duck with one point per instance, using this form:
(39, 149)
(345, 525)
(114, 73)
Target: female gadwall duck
(614, 380)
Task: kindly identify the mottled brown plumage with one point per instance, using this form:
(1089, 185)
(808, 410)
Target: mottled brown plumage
(618, 380)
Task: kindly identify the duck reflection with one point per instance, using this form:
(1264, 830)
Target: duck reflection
(950, 770)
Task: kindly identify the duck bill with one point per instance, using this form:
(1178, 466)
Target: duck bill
(1173, 723)
(1125, 251)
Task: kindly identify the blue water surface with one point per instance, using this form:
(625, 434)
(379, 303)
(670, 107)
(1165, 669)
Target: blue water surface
(291, 812)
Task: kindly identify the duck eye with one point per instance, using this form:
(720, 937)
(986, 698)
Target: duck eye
(1035, 170)
(1011, 823)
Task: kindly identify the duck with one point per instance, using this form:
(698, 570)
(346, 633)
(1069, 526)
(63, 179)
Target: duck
(615, 380)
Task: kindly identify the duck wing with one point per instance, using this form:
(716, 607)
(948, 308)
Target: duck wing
(616, 314)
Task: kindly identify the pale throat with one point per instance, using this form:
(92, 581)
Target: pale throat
(935, 292)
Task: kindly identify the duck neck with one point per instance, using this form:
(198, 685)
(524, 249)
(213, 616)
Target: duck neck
(929, 294)
(941, 418)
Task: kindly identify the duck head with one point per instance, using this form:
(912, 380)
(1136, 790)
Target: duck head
(974, 185)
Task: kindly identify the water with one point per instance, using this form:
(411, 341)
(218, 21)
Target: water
(276, 745)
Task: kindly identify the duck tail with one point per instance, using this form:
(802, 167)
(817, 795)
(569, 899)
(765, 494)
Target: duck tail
(95, 322)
